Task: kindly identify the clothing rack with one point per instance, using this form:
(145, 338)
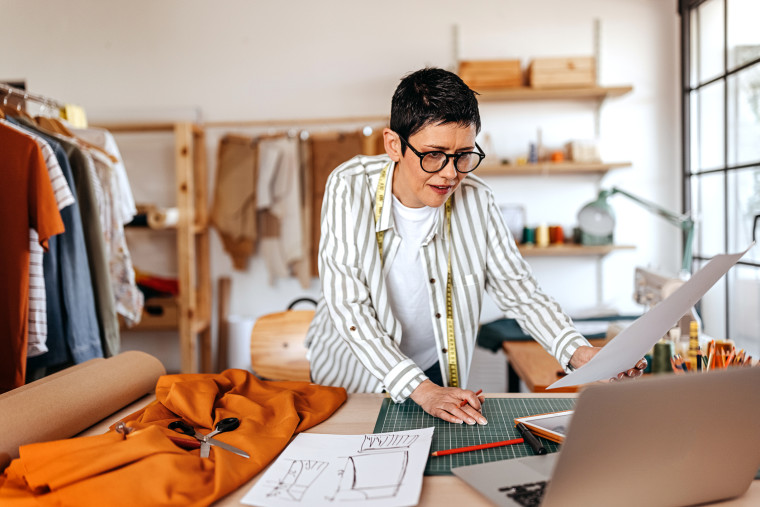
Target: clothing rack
(295, 122)
(271, 123)
(23, 94)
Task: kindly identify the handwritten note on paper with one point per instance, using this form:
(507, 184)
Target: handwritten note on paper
(346, 470)
(627, 348)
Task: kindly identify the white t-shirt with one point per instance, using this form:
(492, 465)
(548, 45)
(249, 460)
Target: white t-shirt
(408, 286)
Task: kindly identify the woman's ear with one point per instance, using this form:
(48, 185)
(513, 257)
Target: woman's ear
(392, 144)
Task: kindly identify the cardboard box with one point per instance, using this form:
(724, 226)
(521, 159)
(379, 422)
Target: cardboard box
(481, 74)
(571, 72)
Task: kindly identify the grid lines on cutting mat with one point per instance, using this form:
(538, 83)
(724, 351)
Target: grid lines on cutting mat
(500, 413)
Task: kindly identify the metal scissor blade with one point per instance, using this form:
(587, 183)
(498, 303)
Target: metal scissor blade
(227, 447)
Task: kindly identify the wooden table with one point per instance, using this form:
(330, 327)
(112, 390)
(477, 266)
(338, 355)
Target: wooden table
(358, 415)
(529, 362)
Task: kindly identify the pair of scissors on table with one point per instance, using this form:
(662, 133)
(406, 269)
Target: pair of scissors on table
(227, 424)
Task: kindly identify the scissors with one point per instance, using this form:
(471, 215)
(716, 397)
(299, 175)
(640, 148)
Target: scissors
(227, 424)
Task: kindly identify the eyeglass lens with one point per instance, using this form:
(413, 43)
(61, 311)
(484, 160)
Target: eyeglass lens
(464, 162)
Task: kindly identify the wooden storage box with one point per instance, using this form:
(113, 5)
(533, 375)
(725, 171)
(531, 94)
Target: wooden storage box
(159, 314)
(572, 72)
(491, 73)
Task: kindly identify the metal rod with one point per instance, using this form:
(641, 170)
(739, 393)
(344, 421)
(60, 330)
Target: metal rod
(12, 90)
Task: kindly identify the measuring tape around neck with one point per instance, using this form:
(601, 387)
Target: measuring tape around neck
(451, 350)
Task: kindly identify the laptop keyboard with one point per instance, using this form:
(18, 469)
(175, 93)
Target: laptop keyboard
(527, 495)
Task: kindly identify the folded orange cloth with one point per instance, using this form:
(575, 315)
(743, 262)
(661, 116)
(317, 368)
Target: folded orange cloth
(147, 468)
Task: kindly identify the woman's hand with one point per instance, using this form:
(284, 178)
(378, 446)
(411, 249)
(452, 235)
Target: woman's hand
(444, 403)
(583, 355)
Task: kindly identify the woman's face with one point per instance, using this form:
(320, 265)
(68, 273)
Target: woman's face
(416, 188)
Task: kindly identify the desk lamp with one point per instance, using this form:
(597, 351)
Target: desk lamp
(596, 221)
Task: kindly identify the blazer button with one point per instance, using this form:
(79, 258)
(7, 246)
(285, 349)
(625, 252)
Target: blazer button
(437, 315)
(432, 280)
(444, 350)
(353, 328)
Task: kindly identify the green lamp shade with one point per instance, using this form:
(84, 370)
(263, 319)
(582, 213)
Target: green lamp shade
(596, 221)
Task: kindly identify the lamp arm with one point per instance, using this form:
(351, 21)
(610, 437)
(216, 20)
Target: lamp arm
(678, 219)
(684, 222)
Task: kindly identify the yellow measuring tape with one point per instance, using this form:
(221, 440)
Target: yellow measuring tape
(451, 351)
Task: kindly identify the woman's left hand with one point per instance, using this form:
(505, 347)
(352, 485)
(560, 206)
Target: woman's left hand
(583, 355)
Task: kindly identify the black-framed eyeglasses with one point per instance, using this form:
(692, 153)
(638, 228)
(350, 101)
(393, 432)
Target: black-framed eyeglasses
(434, 161)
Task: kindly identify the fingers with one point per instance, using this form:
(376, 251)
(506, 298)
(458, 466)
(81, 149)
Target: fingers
(453, 405)
(474, 415)
(453, 413)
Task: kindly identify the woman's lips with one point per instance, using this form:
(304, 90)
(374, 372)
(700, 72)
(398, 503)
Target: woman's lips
(442, 189)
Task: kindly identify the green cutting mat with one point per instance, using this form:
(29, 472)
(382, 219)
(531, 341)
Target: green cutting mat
(500, 413)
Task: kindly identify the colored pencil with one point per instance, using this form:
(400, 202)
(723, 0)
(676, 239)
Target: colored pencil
(464, 402)
(477, 447)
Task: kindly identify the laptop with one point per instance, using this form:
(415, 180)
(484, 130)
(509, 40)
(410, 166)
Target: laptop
(668, 440)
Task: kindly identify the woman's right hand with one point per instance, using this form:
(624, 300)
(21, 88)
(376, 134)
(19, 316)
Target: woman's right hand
(444, 403)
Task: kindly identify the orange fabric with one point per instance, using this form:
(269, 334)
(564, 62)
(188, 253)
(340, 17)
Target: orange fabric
(26, 202)
(146, 468)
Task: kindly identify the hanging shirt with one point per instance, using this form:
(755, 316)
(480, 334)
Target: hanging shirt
(38, 330)
(127, 297)
(73, 333)
(407, 284)
(27, 201)
(278, 191)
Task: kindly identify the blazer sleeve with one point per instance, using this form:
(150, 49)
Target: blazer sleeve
(511, 283)
(349, 263)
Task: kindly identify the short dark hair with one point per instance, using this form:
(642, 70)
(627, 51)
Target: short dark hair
(432, 96)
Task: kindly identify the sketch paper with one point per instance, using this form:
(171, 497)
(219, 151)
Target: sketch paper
(346, 470)
(627, 348)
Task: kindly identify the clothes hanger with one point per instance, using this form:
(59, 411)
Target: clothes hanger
(59, 127)
(8, 110)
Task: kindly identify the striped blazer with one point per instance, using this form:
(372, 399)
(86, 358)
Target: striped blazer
(354, 338)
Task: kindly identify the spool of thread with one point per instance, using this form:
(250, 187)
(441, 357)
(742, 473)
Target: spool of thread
(542, 235)
(532, 153)
(663, 351)
(556, 235)
(529, 236)
(163, 218)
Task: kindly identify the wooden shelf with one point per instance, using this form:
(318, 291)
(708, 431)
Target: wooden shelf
(549, 168)
(570, 250)
(189, 313)
(527, 93)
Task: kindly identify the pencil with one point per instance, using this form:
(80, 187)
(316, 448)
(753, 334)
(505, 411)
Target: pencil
(477, 447)
(464, 402)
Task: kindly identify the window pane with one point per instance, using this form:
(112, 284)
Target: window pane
(743, 35)
(708, 211)
(744, 300)
(744, 204)
(744, 116)
(711, 40)
(712, 309)
(710, 104)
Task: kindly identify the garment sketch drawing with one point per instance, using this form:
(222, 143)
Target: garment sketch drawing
(384, 451)
(344, 470)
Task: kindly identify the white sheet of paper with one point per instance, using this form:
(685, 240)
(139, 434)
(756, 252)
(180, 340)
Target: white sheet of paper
(346, 470)
(627, 348)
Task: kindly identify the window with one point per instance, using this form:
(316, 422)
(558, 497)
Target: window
(721, 156)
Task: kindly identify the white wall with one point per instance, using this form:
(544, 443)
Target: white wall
(250, 60)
